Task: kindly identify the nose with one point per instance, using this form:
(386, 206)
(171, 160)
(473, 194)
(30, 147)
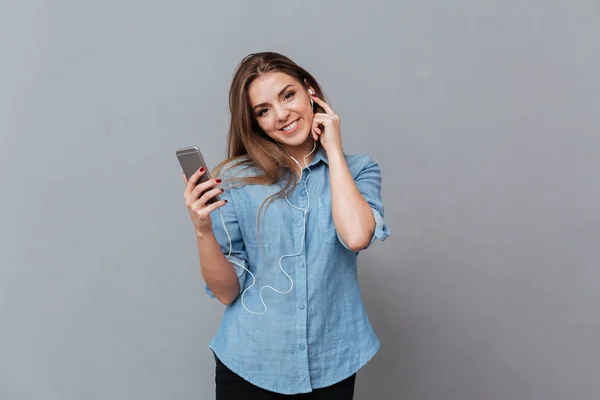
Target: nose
(281, 113)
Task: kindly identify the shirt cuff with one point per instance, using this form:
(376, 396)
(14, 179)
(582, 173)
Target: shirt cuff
(381, 230)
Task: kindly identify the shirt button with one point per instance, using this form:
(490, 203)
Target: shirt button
(300, 222)
(301, 265)
(302, 348)
(301, 306)
(303, 193)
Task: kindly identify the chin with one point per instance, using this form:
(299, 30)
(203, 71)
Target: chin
(295, 141)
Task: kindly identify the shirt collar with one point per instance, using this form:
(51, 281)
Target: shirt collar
(320, 155)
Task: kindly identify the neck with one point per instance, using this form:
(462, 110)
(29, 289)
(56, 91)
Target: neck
(303, 153)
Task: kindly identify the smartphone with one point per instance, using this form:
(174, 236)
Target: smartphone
(190, 159)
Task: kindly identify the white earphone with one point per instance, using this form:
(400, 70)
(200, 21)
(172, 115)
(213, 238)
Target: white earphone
(305, 212)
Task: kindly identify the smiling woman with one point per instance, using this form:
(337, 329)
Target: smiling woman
(284, 115)
(314, 334)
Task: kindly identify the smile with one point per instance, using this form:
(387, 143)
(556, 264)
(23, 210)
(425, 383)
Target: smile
(290, 127)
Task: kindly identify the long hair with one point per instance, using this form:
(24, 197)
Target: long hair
(247, 144)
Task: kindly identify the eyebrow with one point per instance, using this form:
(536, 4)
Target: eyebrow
(278, 94)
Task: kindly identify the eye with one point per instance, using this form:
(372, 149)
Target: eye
(289, 95)
(262, 112)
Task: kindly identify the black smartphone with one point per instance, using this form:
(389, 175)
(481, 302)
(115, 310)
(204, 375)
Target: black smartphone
(190, 159)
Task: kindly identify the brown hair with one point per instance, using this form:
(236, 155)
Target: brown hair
(247, 144)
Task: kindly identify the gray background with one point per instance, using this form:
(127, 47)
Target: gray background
(484, 116)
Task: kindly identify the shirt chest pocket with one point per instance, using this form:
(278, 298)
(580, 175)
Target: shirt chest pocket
(268, 232)
(325, 223)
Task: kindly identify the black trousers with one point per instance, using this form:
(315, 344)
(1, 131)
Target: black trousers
(230, 386)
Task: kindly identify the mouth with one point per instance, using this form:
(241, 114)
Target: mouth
(291, 127)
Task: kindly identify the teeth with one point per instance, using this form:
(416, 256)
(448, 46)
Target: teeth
(290, 126)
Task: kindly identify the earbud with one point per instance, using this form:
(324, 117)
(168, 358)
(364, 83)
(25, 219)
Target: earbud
(310, 92)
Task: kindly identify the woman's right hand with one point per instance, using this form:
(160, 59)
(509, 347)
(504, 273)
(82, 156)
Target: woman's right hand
(196, 204)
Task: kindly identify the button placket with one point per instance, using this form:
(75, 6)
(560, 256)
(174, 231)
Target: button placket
(301, 201)
(302, 313)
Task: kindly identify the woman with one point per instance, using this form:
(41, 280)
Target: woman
(280, 246)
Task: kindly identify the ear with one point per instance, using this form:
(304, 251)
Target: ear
(310, 88)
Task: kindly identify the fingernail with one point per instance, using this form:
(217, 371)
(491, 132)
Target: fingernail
(225, 200)
(218, 181)
(201, 169)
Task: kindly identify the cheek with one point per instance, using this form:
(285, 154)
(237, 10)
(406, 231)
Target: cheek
(306, 111)
(309, 111)
(267, 124)
(302, 106)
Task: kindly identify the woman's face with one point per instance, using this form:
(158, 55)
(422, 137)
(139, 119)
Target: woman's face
(282, 108)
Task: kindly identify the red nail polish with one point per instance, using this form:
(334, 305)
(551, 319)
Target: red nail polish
(218, 181)
(201, 169)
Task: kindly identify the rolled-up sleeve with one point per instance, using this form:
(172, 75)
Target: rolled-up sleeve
(368, 182)
(229, 236)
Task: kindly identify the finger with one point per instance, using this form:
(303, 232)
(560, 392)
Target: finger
(211, 207)
(321, 118)
(203, 200)
(184, 178)
(321, 122)
(314, 134)
(203, 187)
(325, 106)
(191, 184)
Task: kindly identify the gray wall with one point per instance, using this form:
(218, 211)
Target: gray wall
(485, 118)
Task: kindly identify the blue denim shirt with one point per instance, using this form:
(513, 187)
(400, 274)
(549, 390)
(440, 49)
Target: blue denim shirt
(317, 334)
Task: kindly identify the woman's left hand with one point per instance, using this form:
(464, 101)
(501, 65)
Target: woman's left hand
(326, 127)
